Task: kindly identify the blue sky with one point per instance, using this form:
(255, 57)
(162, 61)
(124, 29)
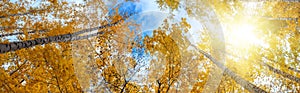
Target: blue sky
(150, 17)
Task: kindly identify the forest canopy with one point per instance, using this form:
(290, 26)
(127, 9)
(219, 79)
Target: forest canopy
(151, 46)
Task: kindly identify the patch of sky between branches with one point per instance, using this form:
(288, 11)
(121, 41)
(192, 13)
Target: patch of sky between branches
(149, 19)
(125, 8)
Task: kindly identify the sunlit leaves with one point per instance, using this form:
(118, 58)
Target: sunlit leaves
(172, 4)
(277, 22)
(44, 68)
(124, 60)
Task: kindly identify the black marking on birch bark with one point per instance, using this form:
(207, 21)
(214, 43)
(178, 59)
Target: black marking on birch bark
(19, 44)
(38, 41)
(28, 44)
(4, 48)
(13, 46)
(33, 42)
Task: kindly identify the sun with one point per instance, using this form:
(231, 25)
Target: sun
(242, 35)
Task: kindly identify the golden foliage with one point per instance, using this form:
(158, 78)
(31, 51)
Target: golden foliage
(79, 66)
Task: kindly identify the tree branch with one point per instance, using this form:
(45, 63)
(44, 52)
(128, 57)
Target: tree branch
(290, 68)
(244, 83)
(21, 14)
(19, 33)
(277, 71)
(13, 46)
(286, 75)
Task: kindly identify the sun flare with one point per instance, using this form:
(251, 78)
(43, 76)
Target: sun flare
(242, 35)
